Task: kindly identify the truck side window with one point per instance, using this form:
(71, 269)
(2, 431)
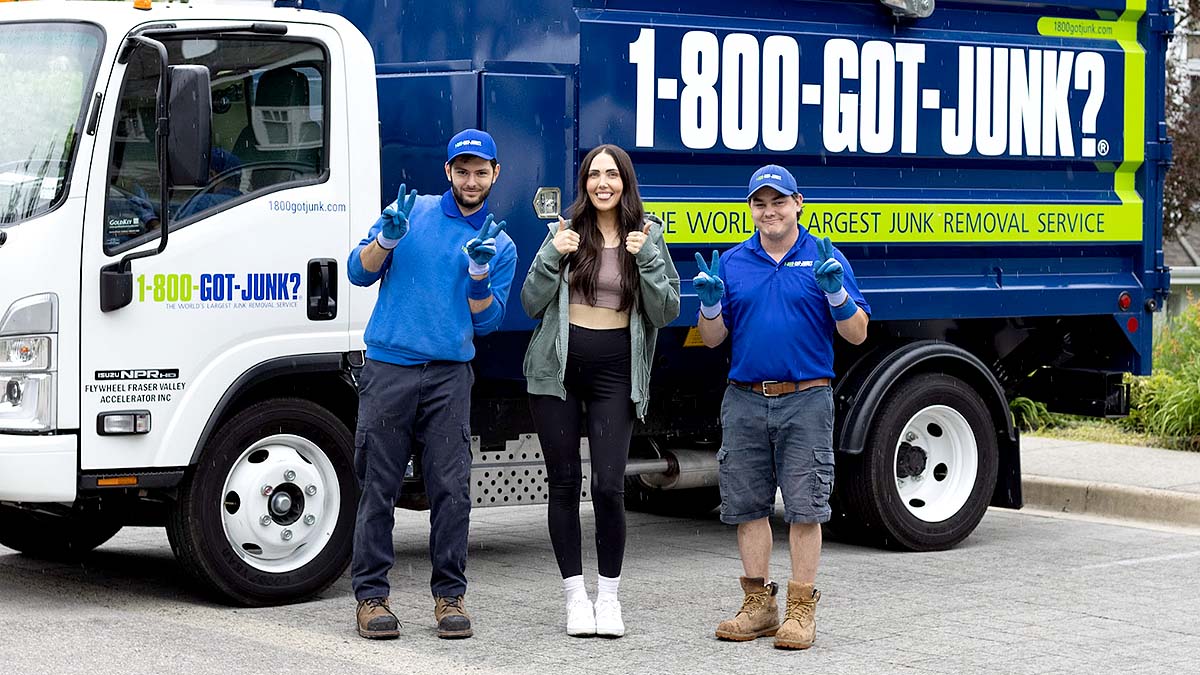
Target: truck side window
(268, 131)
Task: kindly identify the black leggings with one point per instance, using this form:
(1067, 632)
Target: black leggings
(598, 378)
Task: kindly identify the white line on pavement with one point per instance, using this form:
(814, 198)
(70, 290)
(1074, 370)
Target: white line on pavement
(1139, 561)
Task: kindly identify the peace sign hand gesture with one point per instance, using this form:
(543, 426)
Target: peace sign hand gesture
(395, 219)
(827, 270)
(710, 288)
(482, 248)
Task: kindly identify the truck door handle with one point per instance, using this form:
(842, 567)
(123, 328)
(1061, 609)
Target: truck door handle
(322, 289)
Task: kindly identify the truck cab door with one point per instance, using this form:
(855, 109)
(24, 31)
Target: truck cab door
(254, 268)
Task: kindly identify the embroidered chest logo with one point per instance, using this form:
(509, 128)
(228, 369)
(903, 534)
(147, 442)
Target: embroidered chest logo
(798, 263)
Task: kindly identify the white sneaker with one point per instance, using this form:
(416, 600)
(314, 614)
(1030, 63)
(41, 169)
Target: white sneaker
(608, 618)
(581, 621)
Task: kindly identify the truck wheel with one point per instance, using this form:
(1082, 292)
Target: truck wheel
(53, 537)
(687, 503)
(267, 516)
(926, 475)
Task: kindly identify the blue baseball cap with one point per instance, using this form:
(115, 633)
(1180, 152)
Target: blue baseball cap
(774, 176)
(471, 142)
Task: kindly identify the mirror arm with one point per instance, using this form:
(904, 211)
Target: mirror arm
(161, 151)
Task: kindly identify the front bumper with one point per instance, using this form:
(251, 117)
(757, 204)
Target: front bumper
(38, 468)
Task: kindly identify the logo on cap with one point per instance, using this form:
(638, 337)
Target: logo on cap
(774, 176)
(471, 142)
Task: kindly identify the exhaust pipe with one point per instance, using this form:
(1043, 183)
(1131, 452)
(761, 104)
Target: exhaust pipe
(676, 469)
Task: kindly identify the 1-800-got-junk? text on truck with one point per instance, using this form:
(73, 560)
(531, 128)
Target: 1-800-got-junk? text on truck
(993, 170)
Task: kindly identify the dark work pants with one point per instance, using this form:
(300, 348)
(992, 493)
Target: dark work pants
(402, 410)
(598, 378)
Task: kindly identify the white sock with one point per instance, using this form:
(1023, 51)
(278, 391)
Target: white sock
(574, 589)
(607, 586)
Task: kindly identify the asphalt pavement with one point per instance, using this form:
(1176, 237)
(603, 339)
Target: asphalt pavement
(1028, 592)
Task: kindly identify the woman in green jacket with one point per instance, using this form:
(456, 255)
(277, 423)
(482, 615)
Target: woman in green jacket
(602, 285)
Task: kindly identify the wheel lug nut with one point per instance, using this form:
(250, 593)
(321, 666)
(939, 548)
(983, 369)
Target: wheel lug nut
(310, 490)
(310, 519)
(910, 437)
(286, 534)
(289, 475)
(264, 521)
(267, 490)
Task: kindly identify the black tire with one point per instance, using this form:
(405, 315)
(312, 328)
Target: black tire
(688, 503)
(867, 505)
(195, 523)
(53, 537)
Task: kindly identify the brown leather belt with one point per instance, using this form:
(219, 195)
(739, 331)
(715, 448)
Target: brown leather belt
(773, 388)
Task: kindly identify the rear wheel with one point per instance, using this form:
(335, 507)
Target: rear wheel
(56, 537)
(267, 516)
(927, 472)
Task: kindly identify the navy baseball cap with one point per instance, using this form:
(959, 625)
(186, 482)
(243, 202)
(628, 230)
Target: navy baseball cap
(471, 142)
(775, 176)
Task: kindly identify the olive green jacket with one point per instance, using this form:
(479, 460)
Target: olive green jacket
(546, 296)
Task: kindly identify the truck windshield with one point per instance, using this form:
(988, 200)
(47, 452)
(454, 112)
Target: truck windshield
(46, 71)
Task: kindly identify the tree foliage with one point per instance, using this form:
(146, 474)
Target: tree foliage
(1181, 191)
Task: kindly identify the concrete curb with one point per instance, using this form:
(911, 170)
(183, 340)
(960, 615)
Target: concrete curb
(1111, 500)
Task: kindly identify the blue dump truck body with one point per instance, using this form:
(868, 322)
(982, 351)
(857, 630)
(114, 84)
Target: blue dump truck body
(993, 171)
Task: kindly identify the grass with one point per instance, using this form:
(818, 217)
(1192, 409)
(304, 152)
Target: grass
(1109, 431)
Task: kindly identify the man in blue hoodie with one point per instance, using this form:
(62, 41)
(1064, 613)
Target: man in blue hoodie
(444, 267)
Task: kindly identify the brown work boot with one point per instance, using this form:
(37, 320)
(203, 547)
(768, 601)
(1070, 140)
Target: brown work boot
(452, 619)
(758, 616)
(799, 627)
(375, 619)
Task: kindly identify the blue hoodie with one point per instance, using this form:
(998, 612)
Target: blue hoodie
(422, 313)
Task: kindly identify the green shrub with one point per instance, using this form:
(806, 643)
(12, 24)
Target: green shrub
(1177, 341)
(1030, 415)
(1167, 403)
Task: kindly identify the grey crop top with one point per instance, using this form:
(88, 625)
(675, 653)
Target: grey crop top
(608, 282)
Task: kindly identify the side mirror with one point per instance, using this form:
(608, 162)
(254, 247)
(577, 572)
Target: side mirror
(190, 135)
(116, 286)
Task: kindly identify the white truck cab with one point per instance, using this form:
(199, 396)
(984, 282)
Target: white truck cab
(159, 302)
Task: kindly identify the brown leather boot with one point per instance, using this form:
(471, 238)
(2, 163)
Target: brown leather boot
(759, 614)
(799, 628)
(453, 622)
(375, 619)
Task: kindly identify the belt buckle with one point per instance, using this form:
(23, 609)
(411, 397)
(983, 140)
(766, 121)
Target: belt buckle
(764, 388)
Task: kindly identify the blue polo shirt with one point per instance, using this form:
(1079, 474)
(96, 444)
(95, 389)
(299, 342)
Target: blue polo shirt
(777, 316)
(422, 314)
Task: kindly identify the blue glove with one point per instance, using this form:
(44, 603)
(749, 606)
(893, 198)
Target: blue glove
(482, 248)
(139, 203)
(829, 274)
(395, 219)
(709, 286)
(828, 270)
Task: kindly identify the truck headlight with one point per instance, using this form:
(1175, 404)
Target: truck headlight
(24, 354)
(27, 401)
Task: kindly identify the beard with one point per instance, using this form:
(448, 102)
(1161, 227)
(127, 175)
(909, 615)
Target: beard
(469, 202)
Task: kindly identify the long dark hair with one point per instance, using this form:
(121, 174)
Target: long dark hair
(585, 262)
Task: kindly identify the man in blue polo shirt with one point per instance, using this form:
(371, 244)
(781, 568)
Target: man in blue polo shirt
(781, 295)
(444, 269)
